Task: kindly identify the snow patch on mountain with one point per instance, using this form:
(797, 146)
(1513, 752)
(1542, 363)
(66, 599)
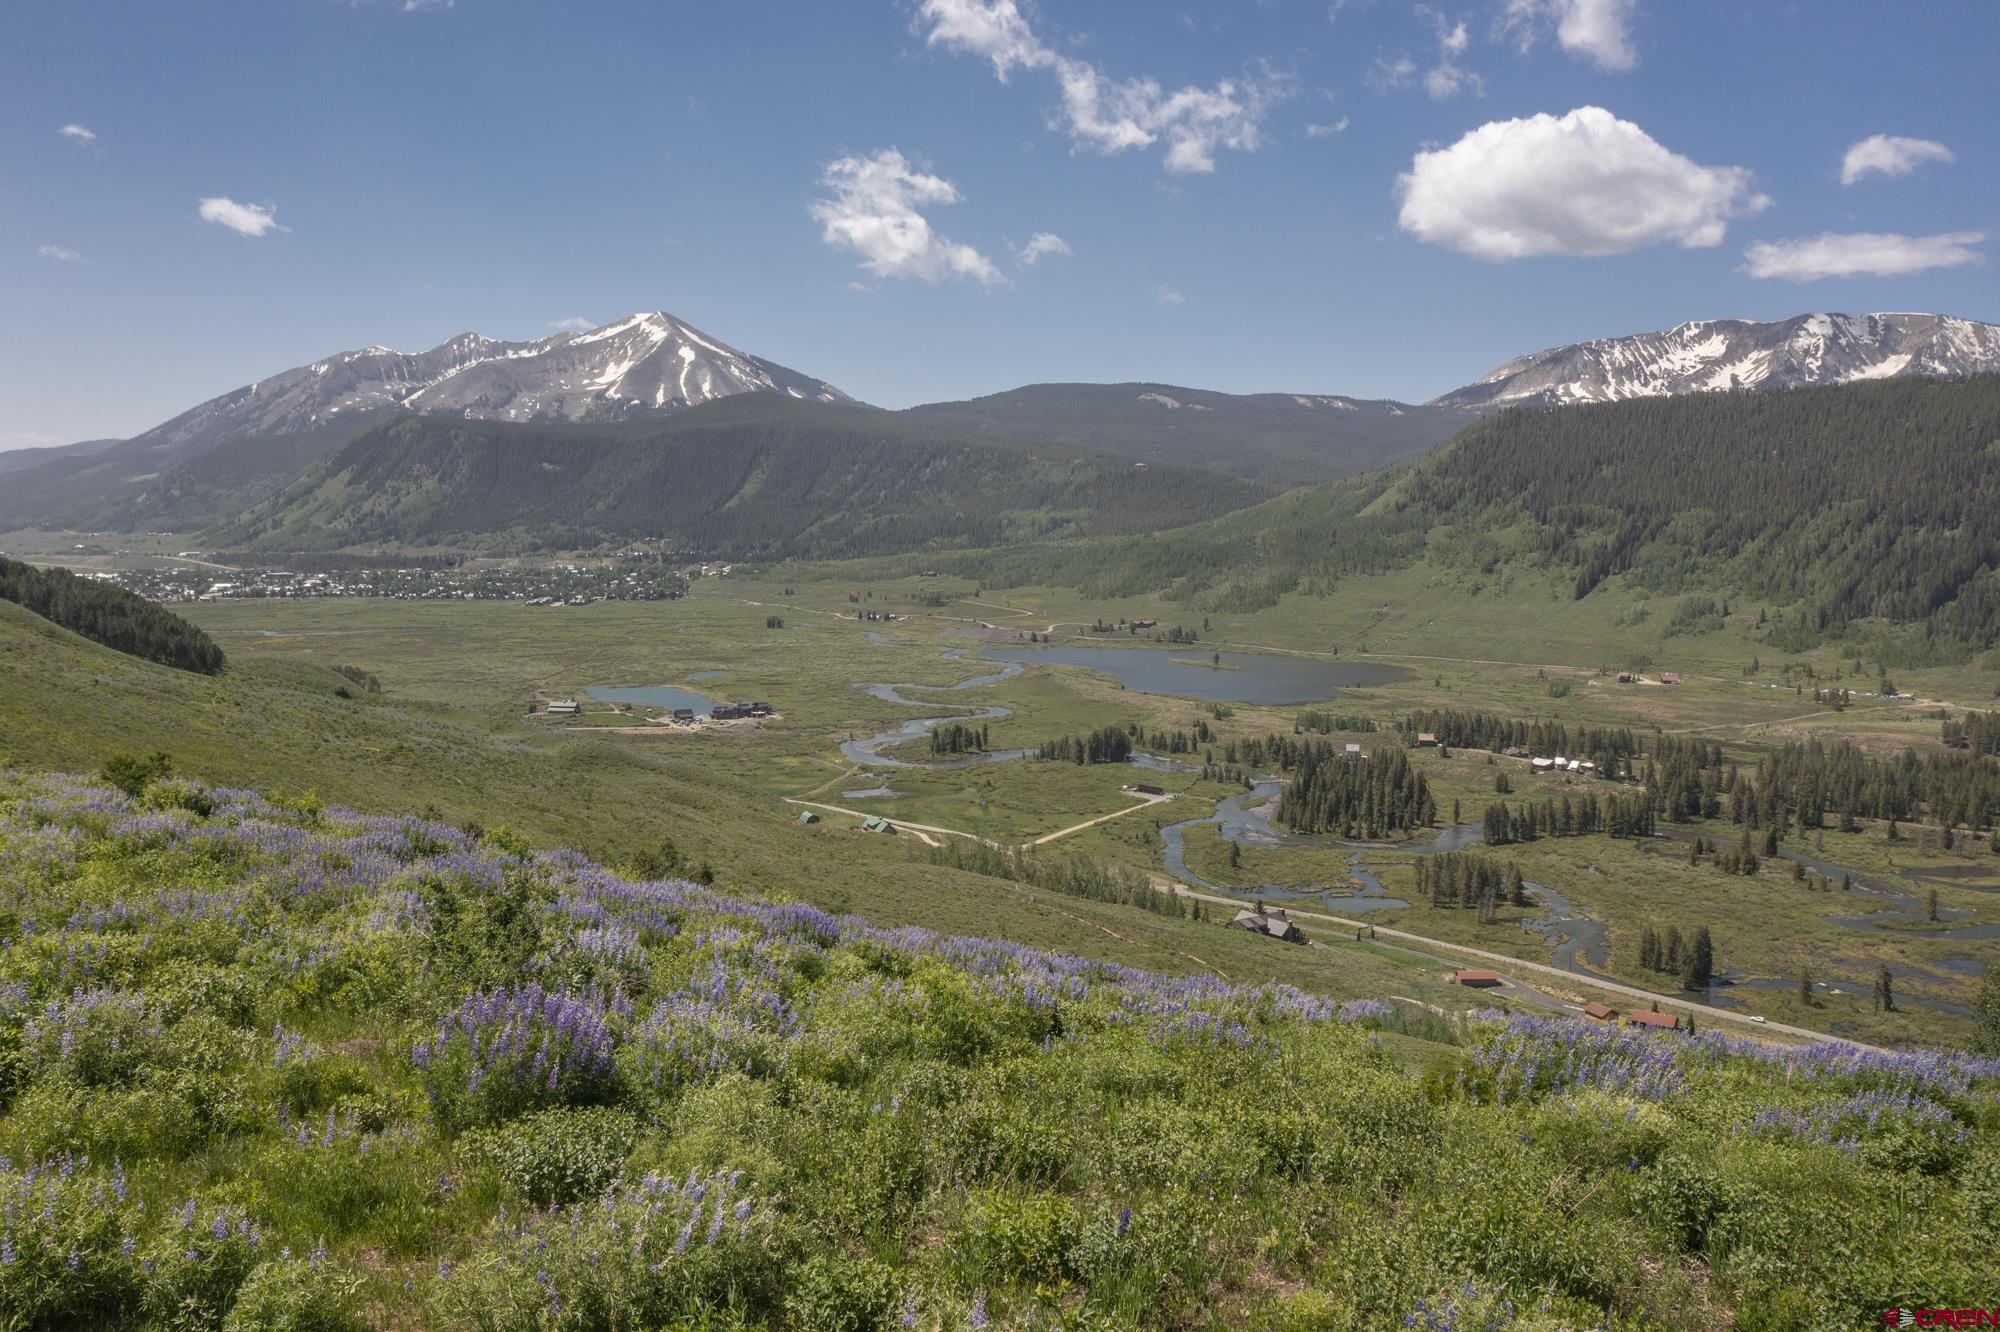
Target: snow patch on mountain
(1721, 355)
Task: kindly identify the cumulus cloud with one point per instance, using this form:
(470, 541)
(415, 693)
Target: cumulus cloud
(1039, 244)
(78, 133)
(874, 212)
(241, 218)
(1890, 155)
(1168, 296)
(1104, 114)
(1861, 254)
(573, 324)
(62, 254)
(1598, 31)
(1586, 183)
(1322, 129)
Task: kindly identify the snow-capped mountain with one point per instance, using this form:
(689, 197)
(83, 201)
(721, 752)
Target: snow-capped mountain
(643, 365)
(1720, 354)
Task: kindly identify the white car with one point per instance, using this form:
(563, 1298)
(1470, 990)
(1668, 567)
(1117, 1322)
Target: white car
(1756, 1017)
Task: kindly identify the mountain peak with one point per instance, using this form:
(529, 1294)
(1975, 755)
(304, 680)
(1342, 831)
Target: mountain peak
(1720, 355)
(646, 364)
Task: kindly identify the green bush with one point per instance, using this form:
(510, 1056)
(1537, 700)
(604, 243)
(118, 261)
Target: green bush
(556, 1156)
(297, 1295)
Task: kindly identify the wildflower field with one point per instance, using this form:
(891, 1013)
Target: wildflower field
(277, 1065)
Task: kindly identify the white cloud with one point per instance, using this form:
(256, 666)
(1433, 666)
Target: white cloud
(78, 133)
(1598, 31)
(1104, 114)
(873, 212)
(1168, 296)
(1862, 254)
(1586, 183)
(1890, 155)
(1442, 81)
(241, 218)
(1039, 244)
(1321, 130)
(61, 254)
(573, 324)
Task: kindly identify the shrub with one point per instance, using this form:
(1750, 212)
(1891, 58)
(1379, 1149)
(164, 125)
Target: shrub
(556, 1156)
(510, 1051)
(297, 1295)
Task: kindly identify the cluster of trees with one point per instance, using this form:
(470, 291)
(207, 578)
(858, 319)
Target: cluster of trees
(1468, 879)
(1072, 876)
(1329, 723)
(121, 620)
(1106, 744)
(1976, 731)
(1611, 748)
(1739, 859)
(1691, 957)
(1784, 494)
(1619, 816)
(958, 738)
(1355, 797)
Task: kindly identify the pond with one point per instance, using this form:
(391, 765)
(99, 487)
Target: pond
(1239, 677)
(669, 697)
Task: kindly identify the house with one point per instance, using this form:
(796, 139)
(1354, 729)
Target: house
(1541, 764)
(1514, 751)
(1599, 1012)
(1658, 1021)
(1144, 624)
(1481, 980)
(1426, 739)
(1147, 788)
(1668, 677)
(758, 709)
(1353, 751)
(565, 707)
(683, 716)
(1624, 677)
(807, 816)
(1273, 924)
(875, 823)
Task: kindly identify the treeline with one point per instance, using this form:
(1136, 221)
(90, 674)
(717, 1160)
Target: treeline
(958, 738)
(1976, 731)
(1530, 821)
(1331, 792)
(1691, 958)
(110, 615)
(1073, 876)
(1468, 879)
(1327, 723)
(1866, 501)
(1611, 748)
(1106, 744)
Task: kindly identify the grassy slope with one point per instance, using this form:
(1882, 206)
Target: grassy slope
(276, 723)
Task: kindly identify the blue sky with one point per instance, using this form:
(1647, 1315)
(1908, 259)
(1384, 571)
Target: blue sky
(1376, 198)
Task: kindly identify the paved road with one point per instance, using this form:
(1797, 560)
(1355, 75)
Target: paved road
(1570, 978)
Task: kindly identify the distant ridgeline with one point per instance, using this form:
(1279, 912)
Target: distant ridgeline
(1832, 506)
(109, 615)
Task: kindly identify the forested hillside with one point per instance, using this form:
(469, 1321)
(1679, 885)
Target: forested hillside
(1290, 439)
(1831, 506)
(748, 476)
(109, 615)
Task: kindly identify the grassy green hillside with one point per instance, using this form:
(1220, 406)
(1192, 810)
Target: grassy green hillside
(1866, 514)
(271, 1064)
(754, 475)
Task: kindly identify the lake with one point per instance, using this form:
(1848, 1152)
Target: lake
(1243, 677)
(652, 696)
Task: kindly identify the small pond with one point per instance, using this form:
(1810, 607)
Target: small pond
(669, 697)
(1192, 672)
